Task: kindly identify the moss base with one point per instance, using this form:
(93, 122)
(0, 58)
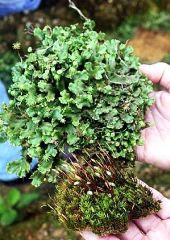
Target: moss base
(102, 197)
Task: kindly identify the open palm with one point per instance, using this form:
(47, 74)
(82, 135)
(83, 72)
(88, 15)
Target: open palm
(156, 148)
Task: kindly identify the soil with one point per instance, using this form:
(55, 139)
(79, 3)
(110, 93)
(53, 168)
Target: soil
(41, 227)
(151, 46)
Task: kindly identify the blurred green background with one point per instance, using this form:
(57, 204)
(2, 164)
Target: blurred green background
(143, 24)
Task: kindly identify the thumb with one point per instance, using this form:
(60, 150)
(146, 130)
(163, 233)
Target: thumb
(158, 73)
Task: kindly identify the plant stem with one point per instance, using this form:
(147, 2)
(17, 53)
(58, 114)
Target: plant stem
(72, 5)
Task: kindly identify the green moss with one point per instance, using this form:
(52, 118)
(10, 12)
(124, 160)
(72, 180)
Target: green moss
(68, 208)
(103, 213)
(100, 209)
(102, 197)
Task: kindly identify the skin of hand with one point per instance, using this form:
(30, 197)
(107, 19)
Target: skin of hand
(156, 151)
(153, 227)
(156, 148)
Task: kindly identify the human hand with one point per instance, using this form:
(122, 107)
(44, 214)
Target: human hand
(153, 227)
(156, 148)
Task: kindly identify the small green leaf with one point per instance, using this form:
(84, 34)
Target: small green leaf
(38, 33)
(65, 97)
(13, 197)
(45, 166)
(58, 115)
(27, 199)
(76, 120)
(71, 135)
(128, 118)
(37, 178)
(20, 167)
(3, 206)
(3, 137)
(8, 217)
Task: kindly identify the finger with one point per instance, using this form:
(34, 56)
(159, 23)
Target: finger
(164, 213)
(157, 73)
(162, 106)
(109, 238)
(133, 233)
(89, 236)
(148, 223)
(167, 225)
(161, 232)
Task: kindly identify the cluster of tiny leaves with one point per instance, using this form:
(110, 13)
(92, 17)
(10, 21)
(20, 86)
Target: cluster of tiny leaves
(75, 89)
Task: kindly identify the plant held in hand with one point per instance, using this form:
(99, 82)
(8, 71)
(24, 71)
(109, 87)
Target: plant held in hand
(101, 195)
(78, 92)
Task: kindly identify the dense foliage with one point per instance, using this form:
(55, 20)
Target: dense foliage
(76, 90)
(101, 196)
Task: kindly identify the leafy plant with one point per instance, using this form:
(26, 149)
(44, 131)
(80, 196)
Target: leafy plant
(80, 98)
(12, 205)
(76, 90)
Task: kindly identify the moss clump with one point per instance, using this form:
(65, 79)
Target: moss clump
(102, 197)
